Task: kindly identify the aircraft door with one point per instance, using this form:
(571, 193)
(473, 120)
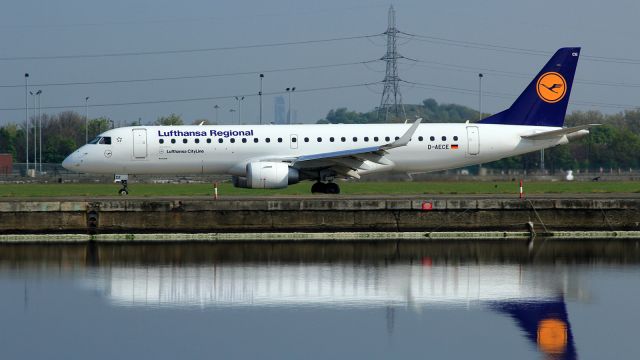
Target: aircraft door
(473, 140)
(294, 141)
(140, 144)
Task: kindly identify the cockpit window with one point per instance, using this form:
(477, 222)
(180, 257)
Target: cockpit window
(105, 140)
(95, 140)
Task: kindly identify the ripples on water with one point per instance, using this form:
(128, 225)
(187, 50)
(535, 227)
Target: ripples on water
(559, 300)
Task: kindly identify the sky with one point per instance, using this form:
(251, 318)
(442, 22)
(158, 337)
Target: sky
(217, 49)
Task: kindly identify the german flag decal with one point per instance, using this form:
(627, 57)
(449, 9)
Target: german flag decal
(454, 146)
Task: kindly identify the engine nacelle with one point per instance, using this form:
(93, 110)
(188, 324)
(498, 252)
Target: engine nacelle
(267, 175)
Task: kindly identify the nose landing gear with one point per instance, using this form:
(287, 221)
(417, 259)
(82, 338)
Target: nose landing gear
(122, 179)
(325, 188)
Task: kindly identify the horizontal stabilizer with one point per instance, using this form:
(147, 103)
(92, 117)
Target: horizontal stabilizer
(547, 135)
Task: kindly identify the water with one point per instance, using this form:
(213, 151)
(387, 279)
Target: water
(559, 300)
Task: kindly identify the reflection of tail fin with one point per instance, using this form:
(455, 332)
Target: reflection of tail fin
(545, 323)
(544, 101)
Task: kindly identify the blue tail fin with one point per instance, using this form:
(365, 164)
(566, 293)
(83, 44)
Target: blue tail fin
(544, 101)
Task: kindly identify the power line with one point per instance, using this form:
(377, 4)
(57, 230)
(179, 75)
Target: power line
(185, 77)
(511, 96)
(512, 74)
(54, 107)
(511, 49)
(185, 51)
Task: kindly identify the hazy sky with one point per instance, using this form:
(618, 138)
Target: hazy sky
(63, 29)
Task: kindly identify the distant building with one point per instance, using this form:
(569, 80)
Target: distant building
(279, 110)
(6, 164)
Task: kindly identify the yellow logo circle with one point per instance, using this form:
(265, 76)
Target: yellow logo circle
(552, 336)
(551, 87)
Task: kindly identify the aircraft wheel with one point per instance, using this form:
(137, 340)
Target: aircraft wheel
(332, 188)
(123, 192)
(318, 187)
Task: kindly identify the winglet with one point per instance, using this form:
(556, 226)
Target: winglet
(404, 140)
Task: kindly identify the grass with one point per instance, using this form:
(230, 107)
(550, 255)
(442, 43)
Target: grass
(348, 188)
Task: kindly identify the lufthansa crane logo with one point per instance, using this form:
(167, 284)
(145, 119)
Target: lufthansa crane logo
(551, 87)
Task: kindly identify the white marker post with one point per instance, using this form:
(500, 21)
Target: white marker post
(215, 191)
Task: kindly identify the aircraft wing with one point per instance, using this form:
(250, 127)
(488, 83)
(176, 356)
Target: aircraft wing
(349, 162)
(581, 130)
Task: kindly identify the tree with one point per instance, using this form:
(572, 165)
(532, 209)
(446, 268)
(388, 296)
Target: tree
(98, 126)
(172, 119)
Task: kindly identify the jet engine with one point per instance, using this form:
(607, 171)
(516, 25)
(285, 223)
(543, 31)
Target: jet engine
(267, 175)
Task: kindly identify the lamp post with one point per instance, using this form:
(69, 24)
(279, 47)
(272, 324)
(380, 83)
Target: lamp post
(86, 120)
(260, 95)
(232, 111)
(39, 92)
(26, 115)
(289, 91)
(239, 98)
(35, 132)
(480, 94)
(216, 107)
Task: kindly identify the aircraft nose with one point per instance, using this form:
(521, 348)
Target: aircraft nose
(71, 162)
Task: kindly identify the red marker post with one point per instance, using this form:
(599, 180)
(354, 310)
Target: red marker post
(521, 191)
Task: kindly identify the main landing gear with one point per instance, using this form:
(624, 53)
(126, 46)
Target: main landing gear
(124, 190)
(325, 188)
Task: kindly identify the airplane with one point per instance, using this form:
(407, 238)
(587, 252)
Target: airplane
(275, 156)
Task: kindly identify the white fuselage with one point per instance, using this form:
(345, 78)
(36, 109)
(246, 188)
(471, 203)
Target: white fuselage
(227, 149)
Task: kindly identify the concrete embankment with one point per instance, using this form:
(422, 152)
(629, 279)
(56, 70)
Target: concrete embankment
(420, 215)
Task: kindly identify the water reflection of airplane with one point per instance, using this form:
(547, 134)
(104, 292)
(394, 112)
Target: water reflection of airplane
(532, 296)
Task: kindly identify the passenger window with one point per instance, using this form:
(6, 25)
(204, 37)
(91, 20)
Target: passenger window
(279, 140)
(293, 139)
(397, 138)
(366, 138)
(355, 139)
(106, 140)
(444, 138)
(184, 141)
(95, 140)
(161, 141)
(332, 139)
(233, 140)
(319, 139)
(267, 140)
(375, 138)
(255, 140)
(197, 141)
(208, 141)
(173, 141)
(420, 138)
(432, 138)
(220, 140)
(343, 139)
(386, 138)
(455, 138)
(306, 139)
(244, 140)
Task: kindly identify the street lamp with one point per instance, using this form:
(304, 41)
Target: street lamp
(260, 95)
(232, 111)
(37, 123)
(26, 115)
(239, 98)
(86, 120)
(480, 94)
(35, 132)
(289, 91)
(39, 92)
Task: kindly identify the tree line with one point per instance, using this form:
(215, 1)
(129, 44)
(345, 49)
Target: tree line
(614, 145)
